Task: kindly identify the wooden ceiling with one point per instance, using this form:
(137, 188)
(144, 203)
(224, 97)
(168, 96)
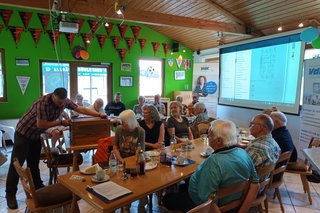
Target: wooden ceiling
(199, 24)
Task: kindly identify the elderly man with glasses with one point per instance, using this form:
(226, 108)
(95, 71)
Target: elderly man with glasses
(263, 150)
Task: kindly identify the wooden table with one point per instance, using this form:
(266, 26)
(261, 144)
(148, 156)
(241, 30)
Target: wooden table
(313, 156)
(154, 180)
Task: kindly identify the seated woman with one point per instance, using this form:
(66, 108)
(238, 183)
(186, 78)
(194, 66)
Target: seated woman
(128, 135)
(97, 106)
(178, 125)
(137, 109)
(153, 127)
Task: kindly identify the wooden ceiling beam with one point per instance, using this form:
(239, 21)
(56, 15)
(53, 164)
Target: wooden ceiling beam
(105, 8)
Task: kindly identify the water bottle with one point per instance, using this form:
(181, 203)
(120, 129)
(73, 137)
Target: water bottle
(173, 143)
(113, 162)
(163, 154)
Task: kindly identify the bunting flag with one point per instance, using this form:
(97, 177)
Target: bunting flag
(129, 42)
(86, 39)
(122, 53)
(187, 64)
(101, 40)
(122, 28)
(142, 42)
(1, 27)
(166, 47)
(155, 46)
(115, 41)
(93, 26)
(6, 15)
(79, 21)
(135, 31)
(53, 35)
(35, 33)
(109, 28)
(16, 33)
(44, 19)
(70, 37)
(25, 17)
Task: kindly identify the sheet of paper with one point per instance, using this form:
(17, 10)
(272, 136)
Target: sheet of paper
(110, 190)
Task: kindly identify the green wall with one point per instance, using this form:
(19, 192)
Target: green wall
(17, 103)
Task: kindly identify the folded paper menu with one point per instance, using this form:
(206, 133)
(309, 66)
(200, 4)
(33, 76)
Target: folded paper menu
(109, 190)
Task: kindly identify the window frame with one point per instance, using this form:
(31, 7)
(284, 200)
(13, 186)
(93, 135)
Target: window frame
(4, 98)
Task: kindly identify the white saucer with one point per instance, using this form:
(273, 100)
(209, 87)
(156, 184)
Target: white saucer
(180, 164)
(82, 171)
(93, 179)
(150, 165)
(153, 153)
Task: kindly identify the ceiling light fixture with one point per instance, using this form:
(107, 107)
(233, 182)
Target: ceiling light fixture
(301, 24)
(280, 27)
(106, 24)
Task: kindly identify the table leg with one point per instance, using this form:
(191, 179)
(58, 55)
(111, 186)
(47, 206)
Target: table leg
(75, 166)
(74, 204)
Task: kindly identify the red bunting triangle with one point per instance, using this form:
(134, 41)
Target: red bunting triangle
(79, 21)
(142, 42)
(135, 31)
(44, 19)
(25, 17)
(155, 46)
(6, 15)
(35, 33)
(1, 27)
(53, 35)
(129, 42)
(166, 47)
(93, 26)
(122, 28)
(115, 41)
(70, 37)
(101, 40)
(16, 33)
(109, 28)
(122, 53)
(86, 39)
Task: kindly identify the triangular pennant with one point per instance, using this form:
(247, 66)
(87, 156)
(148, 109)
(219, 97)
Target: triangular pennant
(122, 53)
(129, 42)
(93, 26)
(86, 39)
(115, 41)
(70, 37)
(179, 61)
(142, 42)
(187, 64)
(101, 40)
(6, 15)
(109, 28)
(54, 35)
(166, 47)
(1, 27)
(135, 31)
(16, 33)
(35, 33)
(79, 21)
(44, 19)
(23, 82)
(25, 17)
(122, 29)
(155, 46)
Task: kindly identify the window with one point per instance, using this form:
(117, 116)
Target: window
(150, 77)
(3, 94)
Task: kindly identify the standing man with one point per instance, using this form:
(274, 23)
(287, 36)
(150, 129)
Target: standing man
(42, 115)
(115, 107)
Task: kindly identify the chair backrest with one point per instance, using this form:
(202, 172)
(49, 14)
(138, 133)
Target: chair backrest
(211, 119)
(202, 208)
(264, 174)
(314, 142)
(202, 127)
(26, 181)
(281, 165)
(241, 187)
(44, 138)
(103, 151)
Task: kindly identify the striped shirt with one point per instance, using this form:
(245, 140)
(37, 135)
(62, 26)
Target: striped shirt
(264, 151)
(45, 109)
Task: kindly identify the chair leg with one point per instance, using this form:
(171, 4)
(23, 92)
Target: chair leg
(50, 176)
(303, 184)
(55, 174)
(150, 196)
(260, 208)
(266, 204)
(277, 192)
(306, 186)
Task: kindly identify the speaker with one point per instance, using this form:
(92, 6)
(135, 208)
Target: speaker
(175, 47)
(198, 52)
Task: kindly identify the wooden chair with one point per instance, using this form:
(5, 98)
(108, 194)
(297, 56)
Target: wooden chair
(264, 176)
(304, 168)
(201, 128)
(204, 207)
(46, 198)
(276, 179)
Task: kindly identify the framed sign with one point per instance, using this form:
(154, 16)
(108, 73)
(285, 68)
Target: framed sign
(126, 67)
(126, 81)
(180, 75)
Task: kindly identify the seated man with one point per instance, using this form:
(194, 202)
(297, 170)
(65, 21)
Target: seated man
(115, 107)
(201, 115)
(160, 106)
(263, 150)
(195, 98)
(228, 165)
(282, 135)
(97, 106)
(179, 98)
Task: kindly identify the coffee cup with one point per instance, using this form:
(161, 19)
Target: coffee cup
(100, 174)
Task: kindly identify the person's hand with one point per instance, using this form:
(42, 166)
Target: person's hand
(103, 115)
(65, 122)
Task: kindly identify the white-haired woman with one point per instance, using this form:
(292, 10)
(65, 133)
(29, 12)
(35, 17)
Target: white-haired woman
(97, 106)
(178, 125)
(138, 107)
(153, 127)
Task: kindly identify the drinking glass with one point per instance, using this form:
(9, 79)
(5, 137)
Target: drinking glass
(204, 138)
